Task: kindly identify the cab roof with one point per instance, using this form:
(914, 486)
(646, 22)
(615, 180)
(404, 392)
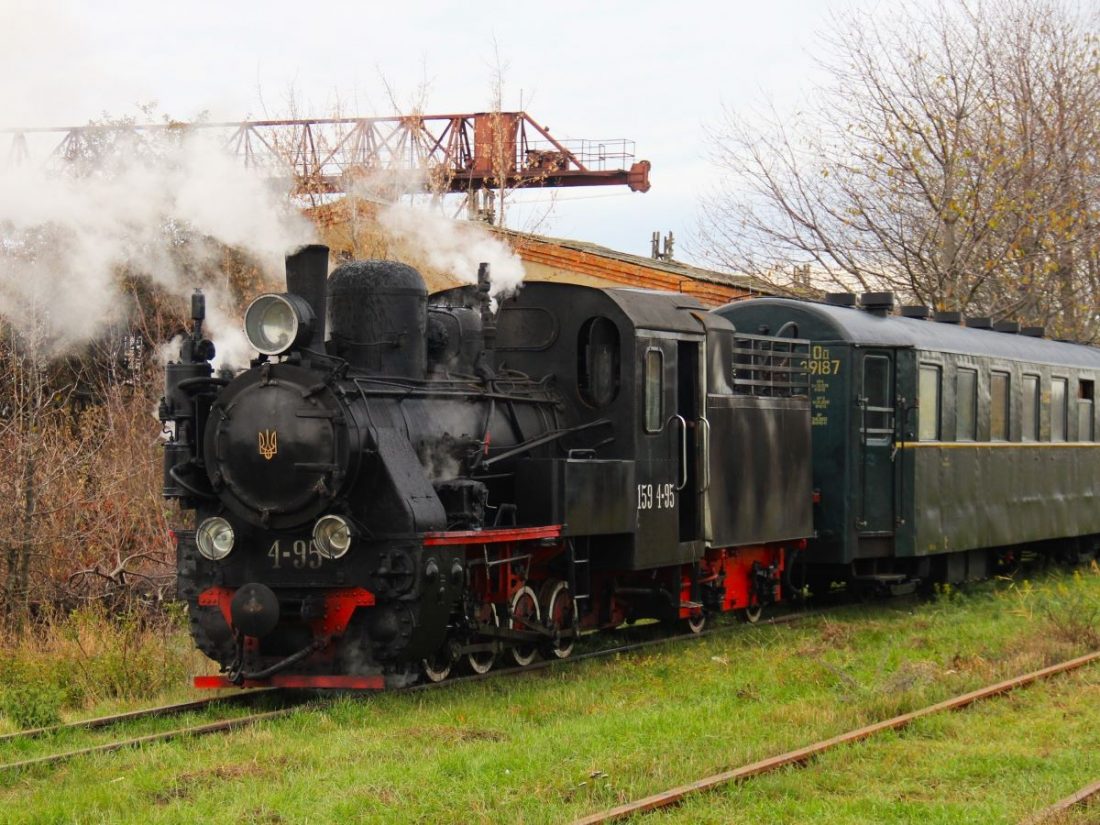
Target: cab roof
(643, 309)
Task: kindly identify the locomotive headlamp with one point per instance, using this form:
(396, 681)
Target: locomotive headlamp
(214, 538)
(275, 322)
(332, 535)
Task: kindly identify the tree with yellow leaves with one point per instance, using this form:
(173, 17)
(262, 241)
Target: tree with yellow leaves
(953, 156)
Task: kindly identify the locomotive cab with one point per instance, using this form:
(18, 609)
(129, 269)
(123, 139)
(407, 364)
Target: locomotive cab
(670, 503)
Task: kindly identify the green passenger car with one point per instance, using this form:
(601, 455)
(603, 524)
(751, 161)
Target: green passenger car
(939, 449)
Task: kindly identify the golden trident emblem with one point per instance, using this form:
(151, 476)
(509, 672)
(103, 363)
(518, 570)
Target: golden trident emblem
(268, 444)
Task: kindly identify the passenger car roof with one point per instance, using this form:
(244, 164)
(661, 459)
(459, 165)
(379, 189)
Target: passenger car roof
(828, 323)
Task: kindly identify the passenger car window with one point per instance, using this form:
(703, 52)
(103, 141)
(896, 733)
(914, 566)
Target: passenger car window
(928, 392)
(998, 406)
(1029, 409)
(1058, 388)
(966, 405)
(878, 419)
(654, 363)
(1086, 430)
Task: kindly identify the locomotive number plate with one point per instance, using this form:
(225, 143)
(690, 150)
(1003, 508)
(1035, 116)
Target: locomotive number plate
(299, 554)
(656, 497)
(820, 363)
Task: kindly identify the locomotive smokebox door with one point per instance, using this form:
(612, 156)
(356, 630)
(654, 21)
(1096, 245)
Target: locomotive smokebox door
(277, 448)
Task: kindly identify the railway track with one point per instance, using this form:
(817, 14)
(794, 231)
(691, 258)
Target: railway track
(235, 723)
(1084, 796)
(137, 715)
(674, 796)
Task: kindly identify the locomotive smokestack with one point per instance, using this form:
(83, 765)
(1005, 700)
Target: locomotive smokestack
(307, 276)
(485, 359)
(488, 322)
(198, 307)
(197, 349)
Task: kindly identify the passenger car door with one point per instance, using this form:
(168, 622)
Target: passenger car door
(874, 420)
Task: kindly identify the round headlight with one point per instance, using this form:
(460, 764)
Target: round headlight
(332, 535)
(274, 323)
(214, 538)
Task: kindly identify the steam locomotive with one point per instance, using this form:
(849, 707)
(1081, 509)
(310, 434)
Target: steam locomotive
(401, 482)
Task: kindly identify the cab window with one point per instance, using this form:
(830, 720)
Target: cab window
(598, 362)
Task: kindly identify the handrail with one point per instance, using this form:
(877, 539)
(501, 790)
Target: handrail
(683, 450)
(705, 428)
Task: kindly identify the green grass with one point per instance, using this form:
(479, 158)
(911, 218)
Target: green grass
(553, 746)
(87, 662)
(991, 763)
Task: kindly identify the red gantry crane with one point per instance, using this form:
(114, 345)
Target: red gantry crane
(462, 153)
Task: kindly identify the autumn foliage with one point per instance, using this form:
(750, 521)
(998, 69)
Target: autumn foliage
(951, 155)
(82, 520)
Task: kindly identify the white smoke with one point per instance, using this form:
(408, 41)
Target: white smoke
(64, 237)
(223, 326)
(169, 350)
(385, 186)
(441, 466)
(455, 247)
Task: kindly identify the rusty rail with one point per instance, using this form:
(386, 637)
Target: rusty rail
(135, 715)
(244, 721)
(196, 730)
(1064, 805)
(789, 618)
(803, 755)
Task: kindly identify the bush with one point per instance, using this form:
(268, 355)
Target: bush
(1072, 610)
(91, 656)
(31, 704)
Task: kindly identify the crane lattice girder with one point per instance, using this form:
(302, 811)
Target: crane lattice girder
(450, 153)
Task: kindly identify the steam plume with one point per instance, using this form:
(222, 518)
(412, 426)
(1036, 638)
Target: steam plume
(455, 247)
(64, 238)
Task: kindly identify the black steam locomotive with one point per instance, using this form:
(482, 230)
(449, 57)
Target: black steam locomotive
(402, 482)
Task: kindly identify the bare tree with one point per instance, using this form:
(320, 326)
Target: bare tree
(953, 156)
(38, 406)
(80, 514)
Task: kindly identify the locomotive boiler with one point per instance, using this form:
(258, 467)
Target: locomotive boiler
(402, 482)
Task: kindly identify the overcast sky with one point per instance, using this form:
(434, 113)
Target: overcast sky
(655, 73)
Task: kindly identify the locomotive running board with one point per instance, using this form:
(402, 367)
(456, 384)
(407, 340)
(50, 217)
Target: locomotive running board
(294, 681)
(492, 535)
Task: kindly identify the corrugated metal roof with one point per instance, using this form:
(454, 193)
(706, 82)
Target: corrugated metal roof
(825, 322)
(672, 267)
